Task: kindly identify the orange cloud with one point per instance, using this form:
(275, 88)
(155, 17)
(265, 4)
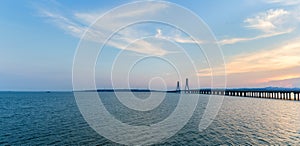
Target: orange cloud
(279, 63)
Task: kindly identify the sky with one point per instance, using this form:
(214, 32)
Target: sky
(259, 40)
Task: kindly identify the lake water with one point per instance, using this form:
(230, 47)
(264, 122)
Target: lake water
(35, 118)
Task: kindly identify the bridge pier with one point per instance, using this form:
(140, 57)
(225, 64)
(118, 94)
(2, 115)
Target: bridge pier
(272, 95)
(285, 96)
(279, 95)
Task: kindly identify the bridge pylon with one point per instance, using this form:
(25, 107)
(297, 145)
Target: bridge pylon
(178, 87)
(187, 88)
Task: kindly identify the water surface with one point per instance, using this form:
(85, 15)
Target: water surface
(36, 118)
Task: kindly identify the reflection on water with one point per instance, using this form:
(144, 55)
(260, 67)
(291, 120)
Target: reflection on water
(53, 118)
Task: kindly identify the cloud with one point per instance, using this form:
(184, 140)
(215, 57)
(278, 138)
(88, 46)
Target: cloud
(63, 22)
(237, 40)
(177, 37)
(267, 65)
(284, 56)
(289, 83)
(271, 23)
(77, 23)
(284, 2)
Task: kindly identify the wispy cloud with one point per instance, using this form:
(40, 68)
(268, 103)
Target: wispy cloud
(282, 57)
(271, 23)
(63, 22)
(284, 2)
(76, 23)
(245, 39)
(177, 38)
(289, 82)
(280, 63)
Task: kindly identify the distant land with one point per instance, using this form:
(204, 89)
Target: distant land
(169, 91)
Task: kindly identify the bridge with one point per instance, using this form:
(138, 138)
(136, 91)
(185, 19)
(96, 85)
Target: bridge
(270, 93)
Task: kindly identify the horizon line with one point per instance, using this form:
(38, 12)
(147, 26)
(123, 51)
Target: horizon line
(157, 90)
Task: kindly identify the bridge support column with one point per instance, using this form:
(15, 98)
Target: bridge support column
(285, 96)
(279, 95)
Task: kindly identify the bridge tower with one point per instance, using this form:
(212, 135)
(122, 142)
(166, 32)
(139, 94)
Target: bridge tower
(187, 88)
(178, 87)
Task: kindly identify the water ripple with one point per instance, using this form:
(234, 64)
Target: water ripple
(54, 119)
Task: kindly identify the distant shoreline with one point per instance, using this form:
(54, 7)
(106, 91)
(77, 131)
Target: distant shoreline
(169, 91)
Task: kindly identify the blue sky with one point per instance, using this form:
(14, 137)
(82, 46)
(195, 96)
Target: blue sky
(259, 38)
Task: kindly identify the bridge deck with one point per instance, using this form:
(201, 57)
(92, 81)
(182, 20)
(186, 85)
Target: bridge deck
(283, 94)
